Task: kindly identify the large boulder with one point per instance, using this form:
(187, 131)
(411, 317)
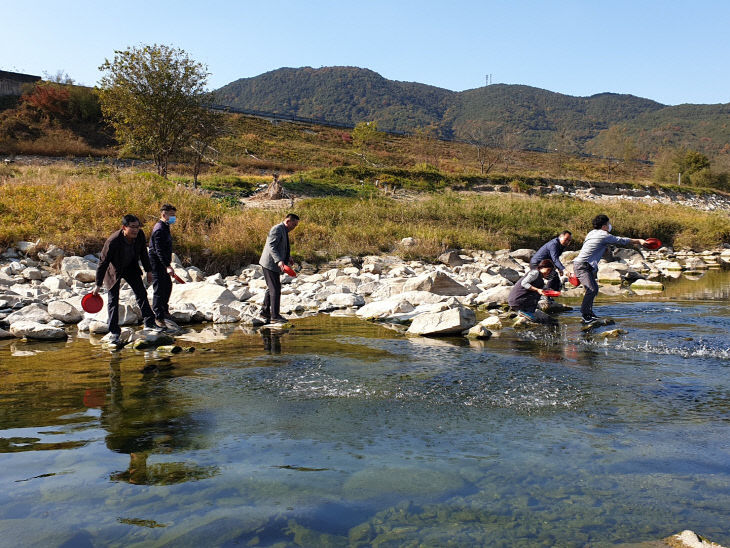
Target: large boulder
(31, 313)
(345, 300)
(449, 322)
(435, 282)
(200, 294)
(522, 254)
(384, 309)
(64, 311)
(39, 331)
(79, 268)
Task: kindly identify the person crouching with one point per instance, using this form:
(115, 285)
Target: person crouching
(527, 290)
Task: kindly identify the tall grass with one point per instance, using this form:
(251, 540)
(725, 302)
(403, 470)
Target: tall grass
(77, 208)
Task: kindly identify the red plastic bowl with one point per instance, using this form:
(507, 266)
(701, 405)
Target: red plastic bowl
(653, 243)
(574, 281)
(551, 293)
(289, 270)
(92, 303)
(177, 278)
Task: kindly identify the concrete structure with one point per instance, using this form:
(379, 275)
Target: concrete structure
(11, 83)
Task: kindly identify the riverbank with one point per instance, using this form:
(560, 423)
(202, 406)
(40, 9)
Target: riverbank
(41, 289)
(76, 208)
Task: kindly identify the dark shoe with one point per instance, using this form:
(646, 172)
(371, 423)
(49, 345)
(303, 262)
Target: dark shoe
(264, 314)
(279, 319)
(586, 319)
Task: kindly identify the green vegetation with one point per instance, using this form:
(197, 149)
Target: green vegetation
(155, 98)
(77, 208)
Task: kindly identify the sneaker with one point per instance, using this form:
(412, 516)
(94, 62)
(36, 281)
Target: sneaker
(586, 319)
(527, 315)
(279, 319)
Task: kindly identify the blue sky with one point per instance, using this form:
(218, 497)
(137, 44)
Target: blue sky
(670, 51)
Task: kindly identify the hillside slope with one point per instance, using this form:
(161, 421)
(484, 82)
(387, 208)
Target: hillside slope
(526, 116)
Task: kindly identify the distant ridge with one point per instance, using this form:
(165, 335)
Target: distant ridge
(528, 117)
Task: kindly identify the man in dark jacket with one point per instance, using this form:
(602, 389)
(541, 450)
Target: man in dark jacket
(160, 259)
(552, 250)
(275, 255)
(119, 261)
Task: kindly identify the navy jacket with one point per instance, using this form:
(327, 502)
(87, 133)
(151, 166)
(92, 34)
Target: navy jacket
(550, 250)
(161, 244)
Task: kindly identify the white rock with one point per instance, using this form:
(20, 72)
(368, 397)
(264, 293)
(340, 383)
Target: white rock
(345, 300)
(65, 311)
(55, 283)
(31, 313)
(35, 330)
(449, 322)
(32, 273)
(200, 294)
(492, 322)
(435, 282)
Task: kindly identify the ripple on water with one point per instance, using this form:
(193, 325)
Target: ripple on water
(447, 377)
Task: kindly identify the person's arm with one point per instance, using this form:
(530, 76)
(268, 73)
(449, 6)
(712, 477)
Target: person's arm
(617, 240)
(529, 279)
(555, 256)
(143, 255)
(273, 241)
(158, 244)
(104, 260)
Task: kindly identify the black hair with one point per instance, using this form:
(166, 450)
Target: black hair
(568, 232)
(599, 221)
(546, 263)
(292, 216)
(168, 207)
(129, 219)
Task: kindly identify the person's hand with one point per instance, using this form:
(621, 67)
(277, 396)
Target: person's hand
(281, 265)
(541, 291)
(95, 291)
(642, 242)
(170, 270)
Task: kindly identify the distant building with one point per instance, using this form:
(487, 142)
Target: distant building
(11, 83)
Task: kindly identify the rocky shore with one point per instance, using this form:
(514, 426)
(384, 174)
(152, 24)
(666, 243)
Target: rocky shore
(41, 290)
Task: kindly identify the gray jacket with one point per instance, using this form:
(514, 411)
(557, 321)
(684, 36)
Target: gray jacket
(276, 248)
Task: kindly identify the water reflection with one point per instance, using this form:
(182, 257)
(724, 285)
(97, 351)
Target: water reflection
(146, 418)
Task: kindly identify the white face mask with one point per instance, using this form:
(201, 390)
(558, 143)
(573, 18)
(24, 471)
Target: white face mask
(610, 227)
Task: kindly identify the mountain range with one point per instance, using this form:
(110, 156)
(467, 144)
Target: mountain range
(498, 114)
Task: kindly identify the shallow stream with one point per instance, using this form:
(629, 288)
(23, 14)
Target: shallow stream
(341, 432)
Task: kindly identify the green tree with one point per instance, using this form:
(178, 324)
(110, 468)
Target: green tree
(208, 128)
(152, 95)
(684, 166)
(365, 135)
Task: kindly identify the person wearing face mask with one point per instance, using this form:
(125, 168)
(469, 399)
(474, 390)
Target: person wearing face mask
(585, 264)
(160, 259)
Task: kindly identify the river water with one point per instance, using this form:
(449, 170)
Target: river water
(340, 432)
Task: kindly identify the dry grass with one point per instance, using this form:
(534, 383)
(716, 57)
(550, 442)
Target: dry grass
(77, 208)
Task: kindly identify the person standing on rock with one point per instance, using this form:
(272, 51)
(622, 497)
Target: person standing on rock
(119, 260)
(552, 250)
(526, 292)
(275, 256)
(161, 258)
(585, 265)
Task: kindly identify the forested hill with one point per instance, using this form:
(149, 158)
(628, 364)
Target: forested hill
(513, 115)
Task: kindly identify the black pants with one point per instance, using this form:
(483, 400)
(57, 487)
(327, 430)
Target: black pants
(135, 282)
(272, 297)
(162, 288)
(587, 277)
